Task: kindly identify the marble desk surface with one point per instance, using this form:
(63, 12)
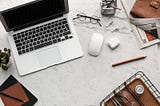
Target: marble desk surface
(87, 80)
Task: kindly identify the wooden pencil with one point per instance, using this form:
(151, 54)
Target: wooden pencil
(127, 61)
(14, 98)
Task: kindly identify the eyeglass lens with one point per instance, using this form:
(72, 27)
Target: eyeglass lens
(83, 17)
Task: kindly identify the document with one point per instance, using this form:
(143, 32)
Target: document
(1, 103)
(147, 30)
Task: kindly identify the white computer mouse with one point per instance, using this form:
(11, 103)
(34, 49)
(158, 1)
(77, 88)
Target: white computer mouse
(95, 44)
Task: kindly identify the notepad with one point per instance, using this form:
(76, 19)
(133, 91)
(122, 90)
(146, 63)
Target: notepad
(16, 91)
(13, 93)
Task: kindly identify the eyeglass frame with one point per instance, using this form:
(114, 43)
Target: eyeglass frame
(90, 17)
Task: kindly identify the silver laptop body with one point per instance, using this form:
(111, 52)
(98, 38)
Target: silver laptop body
(53, 37)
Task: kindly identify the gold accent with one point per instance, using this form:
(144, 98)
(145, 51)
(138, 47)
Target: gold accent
(155, 4)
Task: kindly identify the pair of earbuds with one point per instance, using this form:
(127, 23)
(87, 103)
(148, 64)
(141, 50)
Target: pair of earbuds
(96, 43)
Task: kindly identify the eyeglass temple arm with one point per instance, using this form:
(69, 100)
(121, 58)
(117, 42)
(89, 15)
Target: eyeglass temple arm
(79, 15)
(75, 18)
(99, 23)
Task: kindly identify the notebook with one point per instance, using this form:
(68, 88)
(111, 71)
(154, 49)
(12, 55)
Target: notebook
(13, 93)
(146, 9)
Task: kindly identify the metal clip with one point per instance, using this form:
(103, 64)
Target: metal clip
(155, 4)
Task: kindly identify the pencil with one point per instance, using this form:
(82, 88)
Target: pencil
(110, 3)
(12, 97)
(127, 61)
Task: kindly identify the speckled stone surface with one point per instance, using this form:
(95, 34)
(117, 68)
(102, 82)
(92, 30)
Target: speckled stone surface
(87, 80)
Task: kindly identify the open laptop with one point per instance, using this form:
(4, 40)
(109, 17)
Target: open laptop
(41, 34)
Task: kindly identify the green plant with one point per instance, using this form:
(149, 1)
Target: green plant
(4, 58)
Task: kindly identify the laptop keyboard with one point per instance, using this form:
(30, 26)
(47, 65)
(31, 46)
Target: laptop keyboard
(41, 36)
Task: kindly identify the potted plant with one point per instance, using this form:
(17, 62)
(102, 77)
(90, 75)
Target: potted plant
(4, 58)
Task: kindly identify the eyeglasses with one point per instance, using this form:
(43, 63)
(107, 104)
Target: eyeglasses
(84, 18)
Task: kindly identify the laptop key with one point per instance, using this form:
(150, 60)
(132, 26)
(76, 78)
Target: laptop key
(49, 38)
(30, 44)
(63, 39)
(19, 52)
(18, 44)
(39, 38)
(23, 35)
(59, 39)
(35, 39)
(66, 37)
(57, 36)
(18, 48)
(24, 43)
(70, 37)
(53, 37)
(25, 38)
(31, 40)
(43, 45)
(55, 41)
(67, 26)
(17, 41)
(41, 41)
(42, 36)
(67, 33)
(31, 49)
(23, 47)
(53, 33)
(27, 46)
(45, 40)
(34, 43)
(60, 35)
(48, 43)
(33, 36)
(64, 22)
(23, 51)
(15, 38)
(27, 50)
(38, 42)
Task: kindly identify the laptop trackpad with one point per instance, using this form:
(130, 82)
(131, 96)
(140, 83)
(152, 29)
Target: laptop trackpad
(49, 57)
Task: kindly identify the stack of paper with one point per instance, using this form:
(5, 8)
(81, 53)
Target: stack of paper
(147, 30)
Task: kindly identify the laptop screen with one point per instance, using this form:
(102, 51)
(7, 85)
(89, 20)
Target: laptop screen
(32, 13)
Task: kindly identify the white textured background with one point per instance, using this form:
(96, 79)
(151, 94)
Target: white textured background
(86, 81)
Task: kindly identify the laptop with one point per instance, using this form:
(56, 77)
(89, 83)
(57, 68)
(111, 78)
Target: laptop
(41, 34)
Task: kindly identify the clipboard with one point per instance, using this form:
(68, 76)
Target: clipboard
(12, 90)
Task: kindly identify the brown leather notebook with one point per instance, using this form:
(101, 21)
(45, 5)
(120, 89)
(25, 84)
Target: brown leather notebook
(146, 9)
(13, 93)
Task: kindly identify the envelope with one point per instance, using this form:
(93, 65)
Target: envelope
(13, 93)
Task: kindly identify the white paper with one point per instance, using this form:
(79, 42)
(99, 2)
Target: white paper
(1, 103)
(140, 25)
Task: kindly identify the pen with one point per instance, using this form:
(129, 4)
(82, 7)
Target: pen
(11, 97)
(116, 8)
(127, 61)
